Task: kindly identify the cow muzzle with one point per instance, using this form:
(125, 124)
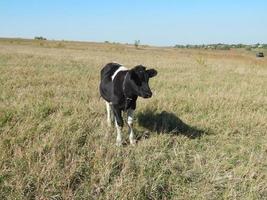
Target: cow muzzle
(147, 94)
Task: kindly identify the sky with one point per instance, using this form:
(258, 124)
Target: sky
(153, 22)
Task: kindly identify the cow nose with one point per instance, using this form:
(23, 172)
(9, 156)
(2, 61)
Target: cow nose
(148, 94)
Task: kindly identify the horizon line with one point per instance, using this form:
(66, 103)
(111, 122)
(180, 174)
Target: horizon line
(127, 43)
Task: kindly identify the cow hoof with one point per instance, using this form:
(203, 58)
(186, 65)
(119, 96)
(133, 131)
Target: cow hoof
(133, 142)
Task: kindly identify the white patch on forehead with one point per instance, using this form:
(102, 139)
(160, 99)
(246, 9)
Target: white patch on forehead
(121, 68)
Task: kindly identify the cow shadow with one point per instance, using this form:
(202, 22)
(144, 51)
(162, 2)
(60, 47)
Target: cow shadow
(167, 123)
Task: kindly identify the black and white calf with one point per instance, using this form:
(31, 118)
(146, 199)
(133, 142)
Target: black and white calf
(120, 88)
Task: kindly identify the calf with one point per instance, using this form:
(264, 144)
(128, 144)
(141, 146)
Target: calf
(120, 88)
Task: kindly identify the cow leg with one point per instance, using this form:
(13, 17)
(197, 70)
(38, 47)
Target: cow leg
(130, 125)
(118, 139)
(119, 125)
(108, 107)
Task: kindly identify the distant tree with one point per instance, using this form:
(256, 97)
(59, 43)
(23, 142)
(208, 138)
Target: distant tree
(136, 43)
(240, 46)
(39, 38)
(179, 46)
(223, 47)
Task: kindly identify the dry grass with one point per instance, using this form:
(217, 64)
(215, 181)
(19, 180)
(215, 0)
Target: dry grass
(201, 136)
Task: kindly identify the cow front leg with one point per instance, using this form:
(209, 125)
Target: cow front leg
(130, 125)
(119, 125)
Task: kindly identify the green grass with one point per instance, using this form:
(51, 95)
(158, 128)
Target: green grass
(201, 136)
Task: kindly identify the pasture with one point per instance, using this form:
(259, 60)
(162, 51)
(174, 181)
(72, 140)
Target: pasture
(203, 134)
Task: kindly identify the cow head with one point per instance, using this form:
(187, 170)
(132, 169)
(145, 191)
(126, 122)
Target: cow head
(139, 78)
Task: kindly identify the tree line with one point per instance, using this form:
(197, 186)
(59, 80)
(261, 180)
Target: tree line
(221, 46)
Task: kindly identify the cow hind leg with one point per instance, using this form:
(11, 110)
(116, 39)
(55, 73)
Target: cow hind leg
(119, 125)
(119, 137)
(109, 114)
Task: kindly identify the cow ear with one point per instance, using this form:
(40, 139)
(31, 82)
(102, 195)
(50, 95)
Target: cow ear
(151, 72)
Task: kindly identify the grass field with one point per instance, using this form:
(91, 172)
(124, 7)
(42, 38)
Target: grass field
(203, 134)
